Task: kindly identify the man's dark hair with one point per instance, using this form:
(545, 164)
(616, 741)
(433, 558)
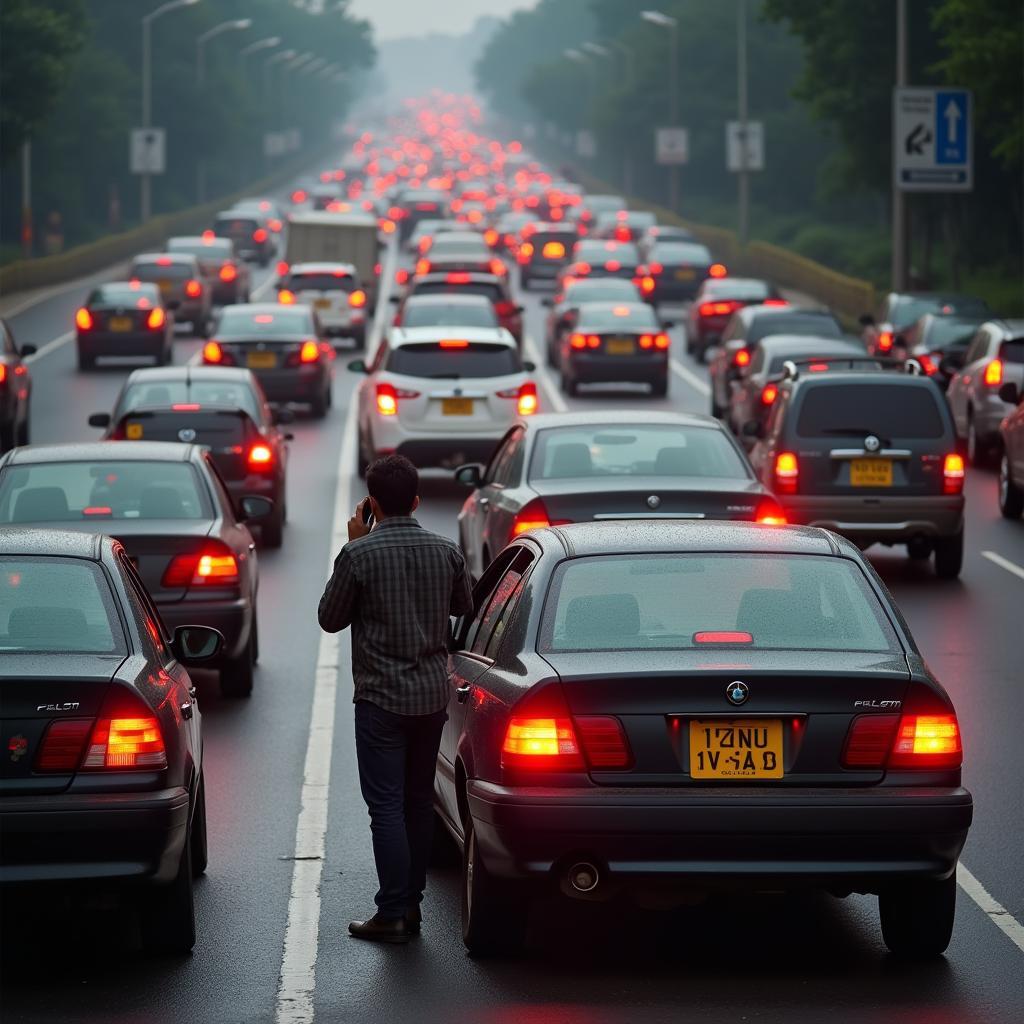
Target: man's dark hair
(393, 483)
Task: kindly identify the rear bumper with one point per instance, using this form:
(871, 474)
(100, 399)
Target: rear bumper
(613, 369)
(79, 837)
(447, 452)
(548, 270)
(878, 519)
(232, 618)
(301, 384)
(105, 343)
(672, 292)
(841, 838)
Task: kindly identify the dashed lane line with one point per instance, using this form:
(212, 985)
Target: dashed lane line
(997, 913)
(1004, 563)
(50, 346)
(698, 384)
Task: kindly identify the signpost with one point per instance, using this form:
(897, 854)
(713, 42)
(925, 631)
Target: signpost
(932, 140)
(672, 146)
(744, 145)
(148, 151)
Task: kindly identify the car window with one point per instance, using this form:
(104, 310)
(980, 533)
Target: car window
(101, 491)
(617, 318)
(144, 607)
(680, 252)
(492, 618)
(820, 325)
(507, 466)
(127, 294)
(246, 323)
(454, 358)
(455, 314)
(673, 601)
(513, 582)
(854, 410)
(316, 281)
(164, 393)
(59, 605)
(1012, 351)
(618, 450)
(169, 271)
(484, 591)
(227, 506)
(490, 290)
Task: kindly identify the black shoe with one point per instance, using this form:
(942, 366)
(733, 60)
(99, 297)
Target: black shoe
(413, 920)
(379, 929)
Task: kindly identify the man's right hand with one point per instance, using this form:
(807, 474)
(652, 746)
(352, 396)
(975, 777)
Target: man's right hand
(356, 527)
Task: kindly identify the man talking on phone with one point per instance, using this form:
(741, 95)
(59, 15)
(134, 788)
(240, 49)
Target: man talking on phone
(396, 585)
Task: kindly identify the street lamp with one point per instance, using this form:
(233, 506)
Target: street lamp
(269, 63)
(147, 87)
(201, 41)
(260, 44)
(665, 21)
(313, 65)
(600, 50)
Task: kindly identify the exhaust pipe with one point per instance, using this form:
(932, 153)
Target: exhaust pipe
(583, 877)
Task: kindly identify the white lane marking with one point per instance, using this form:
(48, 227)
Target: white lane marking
(1004, 563)
(997, 913)
(558, 403)
(57, 289)
(263, 286)
(698, 384)
(50, 346)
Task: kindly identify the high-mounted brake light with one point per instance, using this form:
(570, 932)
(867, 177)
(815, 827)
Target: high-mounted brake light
(717, 270)
(612, 265)
(310, 352)
(953, 474)
(723, 636)
(787, 473)
(186, 407)
(769, 393)
(286, 297)
(156, 319)
(193, 289)
(228, 272)
(83, 320)
(299, 195)
(457, 277)
(718, 308)
(453, 343)
(994, 373)
(357, 299)
(208, 236)
(775, 302)
(927, 741)
(97, 510)
(163, 261)
(622, 233)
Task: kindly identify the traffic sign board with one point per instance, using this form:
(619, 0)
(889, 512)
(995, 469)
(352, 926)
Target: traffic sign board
(672, 146)
(148, 151)
(744, 145)
(932, 140)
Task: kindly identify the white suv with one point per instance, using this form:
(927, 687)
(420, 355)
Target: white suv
(442, 396)
(334, 291)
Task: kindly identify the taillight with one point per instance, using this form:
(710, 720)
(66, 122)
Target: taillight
(401, 276)
(497, 267)
(282, 268)
(741, 357)
(717, 270)
(769, 393)
(953, 474)
(505, 308)
(388, 396)
(604, 742)
(357, 299)
(214, 566)
(83, 320)
(135, 742)
(869, 741)
(491, 237)
(422, 267)
(310, 352)
(260, 457)
(612, 265)
(787, 473)
(661, 341)
(286, 297)
(927, 741)
(928, 364)
(62, 746)
(525, 396)
(228, 273)
(993, 373)
(718, 308)
(533, 516)
(622, 233)
(213, 353)
(299, 195)
(540, 735)
(275, 224)
(647, 284)
(584, 341)
(259, 235)
(885, 341)
(193, 289)
(769, 513)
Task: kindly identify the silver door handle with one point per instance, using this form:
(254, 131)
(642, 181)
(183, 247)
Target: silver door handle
(186, 710)
(462, 693)
(483, 502)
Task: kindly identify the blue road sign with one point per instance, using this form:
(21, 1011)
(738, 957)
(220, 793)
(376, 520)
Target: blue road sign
(952, 110)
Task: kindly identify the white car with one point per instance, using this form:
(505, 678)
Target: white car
(442, 396)
(335, 293)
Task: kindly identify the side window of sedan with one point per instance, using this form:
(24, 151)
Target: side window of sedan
(503, 469)
(483, 592)
(494, 618)
(145, 608)
(221, 495)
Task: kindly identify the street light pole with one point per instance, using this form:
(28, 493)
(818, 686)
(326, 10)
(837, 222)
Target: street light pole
(147, 88)
(743, 196)
(665, 21)
(899, 212)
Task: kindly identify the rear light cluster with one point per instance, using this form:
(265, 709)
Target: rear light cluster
(260, 458)
(259, 235)
(741, 358)
(213, 566)
(769, 393)
(718, 308)
(787, 473)
(769, 513)
(534, 516)
(388, 397)
(904, 741)
(228, 273)
(885, 341)
(357, 299)
(156, 319)
(525, 396)
(993, 374)
(193, 289)
(214, 354)
(83, 320)
(953, 474)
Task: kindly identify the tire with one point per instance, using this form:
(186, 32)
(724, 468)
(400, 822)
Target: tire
(659, 388)
(199, 328)
(168, 912)
(978, 453)
(272, 532)
(949, 556)
(22, 433)
(236, 675)
(85, 362)
(917, 917)
(716, 410)
(1011, 497)
(318, 407)
(493, 920)
(570, 386)
(197, 836)
(255, 640)
(7, 438)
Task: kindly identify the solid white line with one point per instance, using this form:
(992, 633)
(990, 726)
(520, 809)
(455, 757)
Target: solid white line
(50, 346)
(56, 289)
(263, 286)
(998, 914)
(1004, 563)
(558, 403)
(698, 384)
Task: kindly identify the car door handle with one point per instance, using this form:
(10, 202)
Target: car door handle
(186, 710)
(483, 502)
(462, 693)
(252, 545)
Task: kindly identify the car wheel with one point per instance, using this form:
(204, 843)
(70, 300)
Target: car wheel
(197, 837)
(978, 453)
(917, 917)
(21, 435)
(949, 556)
(362, 462)
(167, 913)
(659, 389)
(569, 385)
(1011, 497)
(493, 920)
(85, 362)
(273, 529)
(236, 675)
(318, 407)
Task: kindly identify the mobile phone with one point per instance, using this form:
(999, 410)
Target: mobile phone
(367, 512)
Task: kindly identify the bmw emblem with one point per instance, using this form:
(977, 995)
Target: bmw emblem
(871, 443)
(737, 692)
(653, 501)
(188, 435)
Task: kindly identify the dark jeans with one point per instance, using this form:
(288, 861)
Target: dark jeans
(397, 757)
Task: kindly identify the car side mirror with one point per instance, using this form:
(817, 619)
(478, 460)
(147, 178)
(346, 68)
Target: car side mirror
(470, 475)
(753, 429)
(547, 301)
(1009, 392)
(254, 507)
(27, 350)
(283, 415)
(194, 645)
(288, 436)
(358, 366)
(100, 420)
(866, 320)
(529, 366)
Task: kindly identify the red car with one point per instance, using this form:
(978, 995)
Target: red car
(716, 301)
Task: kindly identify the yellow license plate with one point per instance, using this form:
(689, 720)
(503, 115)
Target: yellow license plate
(871, 473)
(736, 749)
(620, 346)
(133, 432)
(120, 323)
(685, 274)
(322, 304)
(261, 361)
(457, 406)
(165, 286)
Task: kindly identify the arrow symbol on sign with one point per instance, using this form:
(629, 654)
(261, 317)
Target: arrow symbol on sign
(918, 139)
(952, 114)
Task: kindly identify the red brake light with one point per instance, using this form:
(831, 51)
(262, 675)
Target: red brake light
(769, 513)
(286, 297)
(260, 456)
(953, 474)
(741, 357)
(603, 742)
(121, 743)
(717, 270)
(214, 566)
(612, 265)
(553, 250)
(83, 320)
(212, 352)
(259, 235)
(401, 276)
(532, 516)
(578, 341)
(622, 233)
(97, 510)
(884, 341)
(654, 268)
(299, 195)
(228, 272)
(62, 746)
(156, 319)
(527, 404)
(163, 261)
(930, 363)
(769, 393)
(423, 266)
(282, 268)
(540, 735)
(275, 224)
(661, 341)
(787, 473)
(310, 352)
(723, 636)
(388, 396)
(457, 277)
(869, 741)
(193, 289)
(927, 741)
(718, 308)
(186, 407)
(647, 284)
(491, 237)
(453, 343)
(994, 373)
(773, 302)
(497, 267)
(357, 299)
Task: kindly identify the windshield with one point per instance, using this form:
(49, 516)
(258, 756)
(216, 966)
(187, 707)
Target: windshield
(454, 358)
(321, 281)
(242, 323)
(164, 393)
(680, 252)
(209, 251)
(141, 295)
(458, 314)
(633, 317)
(601, 289)
(820, 325)
(169, 271)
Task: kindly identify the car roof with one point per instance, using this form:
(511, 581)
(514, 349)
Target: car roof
(324, 267)
(470, 277)
(217, 241)
(839, 378)
(449, 298)
(187, 373)
(609, 306)
(748, 313)
(620, 417)
(60, 543)
(411, 335)
(353, 218)
(100, 451)
(265, 307)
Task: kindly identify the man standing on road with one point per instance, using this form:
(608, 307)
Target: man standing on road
(396, 586)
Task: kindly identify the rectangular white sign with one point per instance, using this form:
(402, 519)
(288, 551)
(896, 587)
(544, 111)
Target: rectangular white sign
(148, 151)
(672, 146)
(744, 145)
(932, 139)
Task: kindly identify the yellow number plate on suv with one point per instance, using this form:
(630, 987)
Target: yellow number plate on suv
(871, 473)
(736, 748)
(456, 406)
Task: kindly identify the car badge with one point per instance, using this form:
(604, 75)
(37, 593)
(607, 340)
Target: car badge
(187, 434)
(17, 747)
(871, 443)
(737, 692)
(653, 501)
(457, 392)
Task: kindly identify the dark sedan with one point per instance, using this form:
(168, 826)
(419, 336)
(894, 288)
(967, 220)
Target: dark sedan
(229, 277)
(578, 467)
(565, 306)
(222, 408)
(167, 505)
(659, 710)
(716, 301)
(674, 271)
(283, 346)
(15, 389)
(126, 319)
(103, 773)
(544, 251)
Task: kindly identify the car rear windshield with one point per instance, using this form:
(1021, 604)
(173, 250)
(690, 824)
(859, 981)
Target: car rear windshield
(888, 411)
(455, 360)
(944, 332)
(161, 394)
(74, 492)
(600, 451)
(908, 308)
(57, 605)
(1012, 351)
(240, 323)
(667, 601)
(457, 314)
(820, 325)
(223, 432)
(680, 252)
(487, 289)
(596, 251)
(314, 281)
(447, 247)
(602, 289)
(235, 226)
(220, 249)
(142, 295)
(724, 288)
(617, 318)
(169, 271)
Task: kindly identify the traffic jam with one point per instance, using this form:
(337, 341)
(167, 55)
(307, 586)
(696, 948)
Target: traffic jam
(739, 565)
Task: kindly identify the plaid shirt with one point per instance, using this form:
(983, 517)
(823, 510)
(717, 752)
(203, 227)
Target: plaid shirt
(396, 587)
